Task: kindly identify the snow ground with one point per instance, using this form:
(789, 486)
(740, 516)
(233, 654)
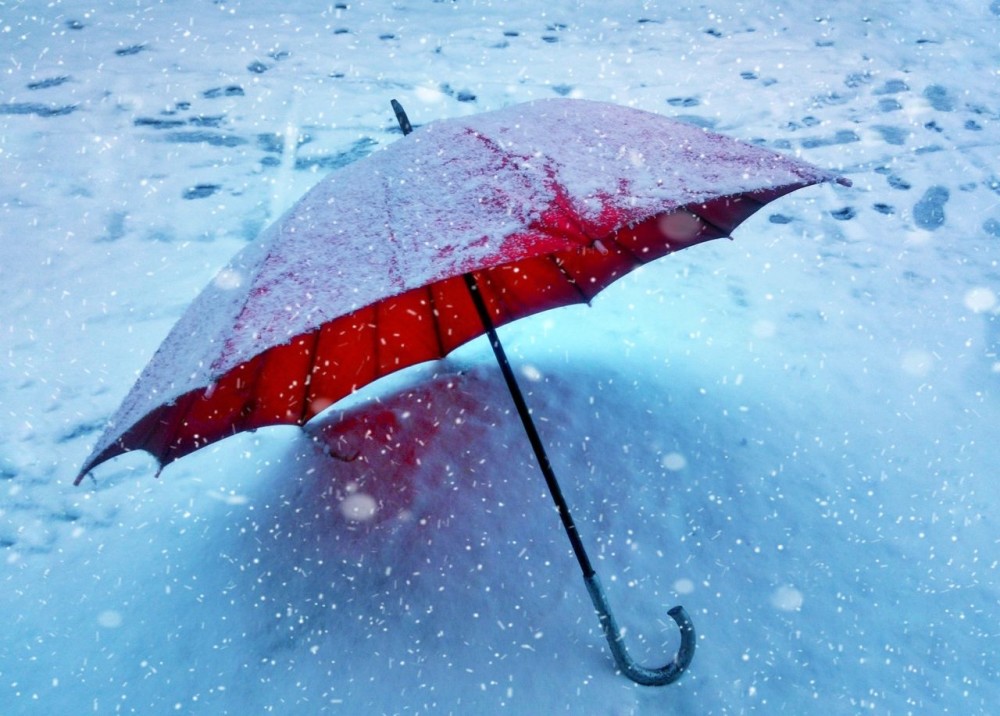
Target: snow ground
(792, 434)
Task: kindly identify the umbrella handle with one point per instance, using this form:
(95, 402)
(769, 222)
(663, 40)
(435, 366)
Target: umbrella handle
(642, 674)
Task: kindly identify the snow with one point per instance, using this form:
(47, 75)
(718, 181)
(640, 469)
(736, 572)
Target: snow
(791, 434)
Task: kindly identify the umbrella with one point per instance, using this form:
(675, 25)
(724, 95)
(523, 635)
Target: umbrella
(399, 258)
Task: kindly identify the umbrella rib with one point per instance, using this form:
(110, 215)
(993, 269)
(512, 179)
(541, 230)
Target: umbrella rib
(186, 402)
(569, 278)
(307, 380)
(626, 250)
(435, 314)
(376, 357)
(710, 223)
(247, 409)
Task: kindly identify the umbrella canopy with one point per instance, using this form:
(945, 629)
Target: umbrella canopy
(543, 204)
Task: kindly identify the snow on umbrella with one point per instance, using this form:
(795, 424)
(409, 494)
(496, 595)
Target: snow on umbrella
(399, 258)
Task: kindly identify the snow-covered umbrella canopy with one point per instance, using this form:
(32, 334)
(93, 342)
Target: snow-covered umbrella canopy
(545, 203)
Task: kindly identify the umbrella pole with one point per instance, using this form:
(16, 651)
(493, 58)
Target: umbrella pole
(640, 674)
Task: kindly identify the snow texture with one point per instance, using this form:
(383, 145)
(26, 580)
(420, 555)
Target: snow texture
(793, 434)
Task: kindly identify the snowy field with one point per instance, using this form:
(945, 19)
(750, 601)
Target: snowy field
(794, 435)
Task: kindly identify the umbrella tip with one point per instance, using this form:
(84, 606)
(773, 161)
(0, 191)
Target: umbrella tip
(87, 472)
(404, 121)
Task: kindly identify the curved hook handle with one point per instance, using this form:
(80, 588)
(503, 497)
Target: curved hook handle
(642, 674)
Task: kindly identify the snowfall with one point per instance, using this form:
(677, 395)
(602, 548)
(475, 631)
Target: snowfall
(792, 434)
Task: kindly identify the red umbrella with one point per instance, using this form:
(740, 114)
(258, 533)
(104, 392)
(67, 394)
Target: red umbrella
(401, 257)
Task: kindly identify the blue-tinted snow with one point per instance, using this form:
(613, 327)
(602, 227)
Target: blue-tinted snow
(792, 434)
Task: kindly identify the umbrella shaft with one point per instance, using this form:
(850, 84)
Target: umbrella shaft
(529, 427)
(522, 407)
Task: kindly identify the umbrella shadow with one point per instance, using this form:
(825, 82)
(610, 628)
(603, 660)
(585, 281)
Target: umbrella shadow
(424, 511)
(394, 515)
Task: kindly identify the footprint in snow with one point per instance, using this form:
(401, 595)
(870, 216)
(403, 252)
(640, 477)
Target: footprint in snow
(230, 91)
(857, 79)
(130, 50)
(47, 82)
(892, 135)
(200, 191)
(897, 182)
(939, 98)
(928, 213)
(842, 136)
(892, 87)
(36, 108)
